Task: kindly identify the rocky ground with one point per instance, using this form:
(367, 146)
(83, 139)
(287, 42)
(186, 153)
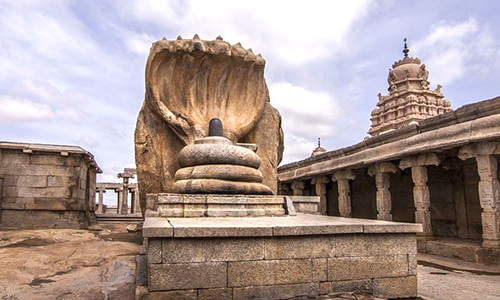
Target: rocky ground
(101, 263)
(68, 264)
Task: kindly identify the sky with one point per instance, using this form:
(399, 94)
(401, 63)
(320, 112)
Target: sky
(72, 72)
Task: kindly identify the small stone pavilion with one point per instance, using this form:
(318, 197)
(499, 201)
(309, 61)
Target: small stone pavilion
(423, 163)
(46, 186)
(122, 191)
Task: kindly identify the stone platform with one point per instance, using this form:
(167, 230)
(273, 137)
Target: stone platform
(279, 257)
(463, 249)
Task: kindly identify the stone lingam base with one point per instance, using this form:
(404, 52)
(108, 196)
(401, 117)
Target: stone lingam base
(213, 205)
(277, 257)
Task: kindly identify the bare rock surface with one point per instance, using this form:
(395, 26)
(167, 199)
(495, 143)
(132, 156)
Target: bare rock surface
(68, 264)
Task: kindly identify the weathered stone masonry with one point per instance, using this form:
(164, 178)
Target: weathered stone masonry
(441, 173)
(47, 186)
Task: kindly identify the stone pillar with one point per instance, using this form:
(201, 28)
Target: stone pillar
(298, 188)
(421, 195)
(489, 196)
(126, 175)
(320, 186)
(119, 200)
(421, 198)
(135, 201)
(488, 187)
(101, 191)
(124, 190)
(382, 181)
(342, 178)
(132, 201)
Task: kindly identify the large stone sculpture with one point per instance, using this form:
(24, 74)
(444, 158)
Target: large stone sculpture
(190, 82)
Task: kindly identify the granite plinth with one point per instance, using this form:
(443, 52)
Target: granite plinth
(213, 205)
(269, 257)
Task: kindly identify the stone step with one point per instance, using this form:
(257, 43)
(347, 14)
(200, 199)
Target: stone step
(115, 218)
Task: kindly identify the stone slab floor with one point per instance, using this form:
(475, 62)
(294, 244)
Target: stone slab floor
(100, 264)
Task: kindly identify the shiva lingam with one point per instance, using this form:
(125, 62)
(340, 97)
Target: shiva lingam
(216, 165)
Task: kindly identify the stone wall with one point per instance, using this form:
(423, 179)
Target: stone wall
(47, 189)
(282, 267)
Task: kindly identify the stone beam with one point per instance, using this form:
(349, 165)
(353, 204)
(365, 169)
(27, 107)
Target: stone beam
(342, 178)
(320, 186)
(381, 172)
(388, 147)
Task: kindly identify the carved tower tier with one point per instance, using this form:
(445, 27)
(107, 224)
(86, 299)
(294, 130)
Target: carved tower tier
(409, 99)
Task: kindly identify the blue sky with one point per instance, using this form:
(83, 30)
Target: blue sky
(72, 72)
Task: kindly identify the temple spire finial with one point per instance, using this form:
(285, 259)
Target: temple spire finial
(319, 142)
(406, 50)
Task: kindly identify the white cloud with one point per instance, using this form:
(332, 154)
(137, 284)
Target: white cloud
(309, 115)
(87, 141)
(12, 110)
(110, 172)
(291, 33)
(138, 43)
(297, 148)
(451, 50)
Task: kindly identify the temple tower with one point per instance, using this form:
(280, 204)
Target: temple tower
(409, 99)
(318, 150)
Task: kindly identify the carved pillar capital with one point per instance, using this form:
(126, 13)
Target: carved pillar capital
(320, 180)
(343, 175)
(298, 187)
(479, 149)
(100, 189)
(383, 167)
(426, 159)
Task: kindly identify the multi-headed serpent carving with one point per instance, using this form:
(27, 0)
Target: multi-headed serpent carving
(189, 82)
